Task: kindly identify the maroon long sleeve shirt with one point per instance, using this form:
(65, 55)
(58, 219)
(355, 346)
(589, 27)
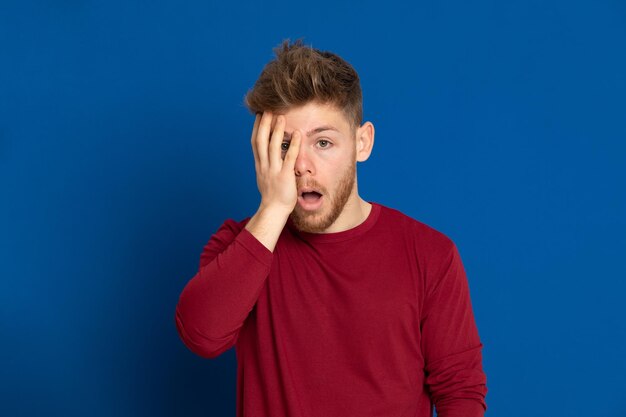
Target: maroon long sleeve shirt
(371, 321)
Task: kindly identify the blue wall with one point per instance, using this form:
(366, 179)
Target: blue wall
(124, 144)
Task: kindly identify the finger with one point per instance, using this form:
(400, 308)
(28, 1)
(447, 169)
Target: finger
(262, 139)
(275, 143)
(255, 129)
(292, 153)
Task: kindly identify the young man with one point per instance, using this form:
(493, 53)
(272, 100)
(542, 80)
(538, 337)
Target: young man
(337, 307)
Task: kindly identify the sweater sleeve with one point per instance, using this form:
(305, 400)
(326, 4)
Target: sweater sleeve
(216, 301)
(450, 342)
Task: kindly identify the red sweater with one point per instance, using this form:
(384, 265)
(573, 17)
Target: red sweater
(371, 321)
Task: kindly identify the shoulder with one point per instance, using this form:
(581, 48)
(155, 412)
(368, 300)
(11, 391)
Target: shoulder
(436, 254)
(423, 236)
(232, 226)
(223, 237)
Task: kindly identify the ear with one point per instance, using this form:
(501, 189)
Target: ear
(364, 141)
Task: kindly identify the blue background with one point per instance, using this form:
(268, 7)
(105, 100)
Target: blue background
(124, 144)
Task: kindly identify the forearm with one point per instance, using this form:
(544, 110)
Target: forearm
(451, 344)
(461, 407)
(216, 301)
(458, 384)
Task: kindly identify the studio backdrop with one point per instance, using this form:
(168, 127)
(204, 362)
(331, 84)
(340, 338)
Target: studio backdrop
(124, 144)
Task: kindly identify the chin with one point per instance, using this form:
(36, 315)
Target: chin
(313, 222)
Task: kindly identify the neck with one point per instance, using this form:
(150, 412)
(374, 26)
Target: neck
(353, 214)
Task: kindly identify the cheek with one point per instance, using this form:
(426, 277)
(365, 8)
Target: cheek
(337, 156)
(332, 172)
(331, 165)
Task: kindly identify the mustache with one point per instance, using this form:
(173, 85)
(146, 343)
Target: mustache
(311, 183)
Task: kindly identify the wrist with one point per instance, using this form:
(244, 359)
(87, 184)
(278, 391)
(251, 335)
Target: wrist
(274, 211)
(267, 224)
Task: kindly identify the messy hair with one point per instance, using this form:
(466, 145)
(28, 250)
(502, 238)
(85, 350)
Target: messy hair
(300, 74)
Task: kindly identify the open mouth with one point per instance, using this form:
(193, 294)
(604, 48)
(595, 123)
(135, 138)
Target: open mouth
(311, 196)
(309, 199)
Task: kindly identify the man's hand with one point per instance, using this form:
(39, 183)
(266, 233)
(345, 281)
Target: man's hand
(275, 178)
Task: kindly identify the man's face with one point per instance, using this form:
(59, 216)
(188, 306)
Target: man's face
(325, 167)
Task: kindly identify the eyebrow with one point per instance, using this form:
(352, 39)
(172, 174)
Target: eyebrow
(312, 132)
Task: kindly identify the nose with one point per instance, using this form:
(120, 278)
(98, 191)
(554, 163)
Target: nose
(304, 164)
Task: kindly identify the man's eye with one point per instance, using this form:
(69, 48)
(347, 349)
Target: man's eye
(323, 143)
(284, 146)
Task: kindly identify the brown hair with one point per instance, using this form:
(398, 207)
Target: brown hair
(300, 74)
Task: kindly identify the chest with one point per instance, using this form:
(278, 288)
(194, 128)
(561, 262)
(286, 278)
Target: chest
(363, 295)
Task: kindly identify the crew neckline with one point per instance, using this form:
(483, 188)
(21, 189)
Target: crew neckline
(352, 233)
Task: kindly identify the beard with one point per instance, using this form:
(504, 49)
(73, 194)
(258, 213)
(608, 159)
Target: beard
(318, 220)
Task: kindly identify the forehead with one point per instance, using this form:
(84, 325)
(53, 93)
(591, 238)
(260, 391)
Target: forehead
(313, 115)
